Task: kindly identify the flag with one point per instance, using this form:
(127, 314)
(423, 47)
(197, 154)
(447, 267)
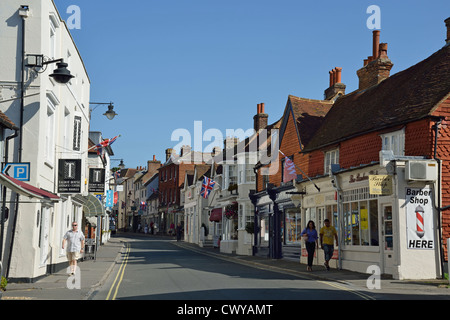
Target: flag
(207, 186)
(105, 143)
(143, 205)
(289, 172)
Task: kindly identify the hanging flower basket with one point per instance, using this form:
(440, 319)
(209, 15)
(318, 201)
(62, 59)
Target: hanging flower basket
(231, 211)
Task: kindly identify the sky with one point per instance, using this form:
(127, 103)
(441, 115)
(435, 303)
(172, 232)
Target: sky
(176, 66)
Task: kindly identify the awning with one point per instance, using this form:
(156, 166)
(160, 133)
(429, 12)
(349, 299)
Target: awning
(26, 189)
(92, 205)
(216, 215)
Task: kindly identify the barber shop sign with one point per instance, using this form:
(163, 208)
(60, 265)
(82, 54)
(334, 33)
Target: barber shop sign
(419, 218)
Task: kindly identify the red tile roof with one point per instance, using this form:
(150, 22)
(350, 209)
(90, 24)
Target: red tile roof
(407, 96)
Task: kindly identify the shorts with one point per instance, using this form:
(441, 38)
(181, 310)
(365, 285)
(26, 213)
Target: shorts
(73, 255)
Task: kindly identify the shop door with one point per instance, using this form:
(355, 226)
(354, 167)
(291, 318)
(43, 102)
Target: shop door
(44, 235)
(387, 239)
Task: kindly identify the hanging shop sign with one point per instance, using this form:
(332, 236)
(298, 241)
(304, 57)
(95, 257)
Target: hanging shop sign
(419, 218)
(69, 175)
(96, 180)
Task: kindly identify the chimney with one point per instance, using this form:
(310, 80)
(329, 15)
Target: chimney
(260, 119)
(376, 67)
(447, 24)
(185, 150)
(153, 166)
(169, 152)
(336, 88)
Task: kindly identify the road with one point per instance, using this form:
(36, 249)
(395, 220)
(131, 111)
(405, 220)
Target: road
(155, 269)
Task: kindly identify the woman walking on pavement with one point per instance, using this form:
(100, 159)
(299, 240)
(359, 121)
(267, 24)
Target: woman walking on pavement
(310, 236)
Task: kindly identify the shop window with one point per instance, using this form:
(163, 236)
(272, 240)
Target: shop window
(360, 220)
(293, 226)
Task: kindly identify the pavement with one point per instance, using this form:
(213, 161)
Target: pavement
(94, 272)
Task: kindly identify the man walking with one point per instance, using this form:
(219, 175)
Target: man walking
(75, 246)
(327, 236)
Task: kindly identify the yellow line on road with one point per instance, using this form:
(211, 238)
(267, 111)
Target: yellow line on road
(119, 274)
(341, 287)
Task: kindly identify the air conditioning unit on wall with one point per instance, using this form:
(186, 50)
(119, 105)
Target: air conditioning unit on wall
(425, 170)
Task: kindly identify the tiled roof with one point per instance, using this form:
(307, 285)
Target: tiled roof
(6, 122)
(407, 96)
(309, 115)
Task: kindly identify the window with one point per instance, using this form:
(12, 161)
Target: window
(293, 226)
(50, 134)
(232, 174)
(331, 157)
(394, 141)
(360, 218)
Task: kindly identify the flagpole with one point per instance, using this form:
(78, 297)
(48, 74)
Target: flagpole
(318, 189)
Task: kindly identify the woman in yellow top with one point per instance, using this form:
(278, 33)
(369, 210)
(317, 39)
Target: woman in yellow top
(327, 236)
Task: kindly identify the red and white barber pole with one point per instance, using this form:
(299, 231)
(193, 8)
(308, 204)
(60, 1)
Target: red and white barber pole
(420, 222)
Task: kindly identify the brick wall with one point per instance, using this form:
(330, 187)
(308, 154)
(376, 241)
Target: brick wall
(290, 147)
(443, 153)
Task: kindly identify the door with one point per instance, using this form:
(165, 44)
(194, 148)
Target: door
(44, 234)
(387, 241)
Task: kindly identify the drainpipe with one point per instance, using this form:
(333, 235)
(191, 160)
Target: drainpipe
(435, 127)
(23, 13)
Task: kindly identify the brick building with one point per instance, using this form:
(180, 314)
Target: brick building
(398, 137)
(171, 180)
(277, 216)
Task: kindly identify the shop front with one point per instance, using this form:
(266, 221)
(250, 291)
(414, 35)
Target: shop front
(262, 220)
(384, 220)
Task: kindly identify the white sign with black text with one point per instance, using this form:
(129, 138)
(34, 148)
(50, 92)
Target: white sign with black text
(419, 218)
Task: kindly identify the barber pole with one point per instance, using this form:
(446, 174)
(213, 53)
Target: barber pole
(419, 221)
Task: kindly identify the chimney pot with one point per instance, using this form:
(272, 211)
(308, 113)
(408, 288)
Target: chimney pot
(262, 107)
(376, 44)
(331, 78)
(338, 74)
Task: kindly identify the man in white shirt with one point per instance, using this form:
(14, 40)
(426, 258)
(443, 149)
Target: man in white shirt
(75, 245)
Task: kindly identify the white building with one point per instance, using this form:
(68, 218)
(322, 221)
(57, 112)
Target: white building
(54, 125)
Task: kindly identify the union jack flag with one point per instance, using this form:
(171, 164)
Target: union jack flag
(107, 142)
(207, 186)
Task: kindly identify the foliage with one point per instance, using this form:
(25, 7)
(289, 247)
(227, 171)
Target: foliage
(3, 284)
(231, 210)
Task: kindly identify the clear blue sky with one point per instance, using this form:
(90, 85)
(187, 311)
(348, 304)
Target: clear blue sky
(166, 64)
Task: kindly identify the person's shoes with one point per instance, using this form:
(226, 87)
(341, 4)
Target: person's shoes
(326, 266)
(308, 269)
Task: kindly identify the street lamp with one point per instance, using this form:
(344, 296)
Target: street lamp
(110, 114)
(61, 74)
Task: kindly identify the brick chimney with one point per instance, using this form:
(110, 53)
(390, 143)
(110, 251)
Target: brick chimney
(337, 88)
(185, 149)
(376, 67)
(447, 24)
(260, 119)
(169, 152)
(153, 165)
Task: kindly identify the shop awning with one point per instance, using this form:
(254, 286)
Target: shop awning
(216, 215)
(26, 189)
(91, 205)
